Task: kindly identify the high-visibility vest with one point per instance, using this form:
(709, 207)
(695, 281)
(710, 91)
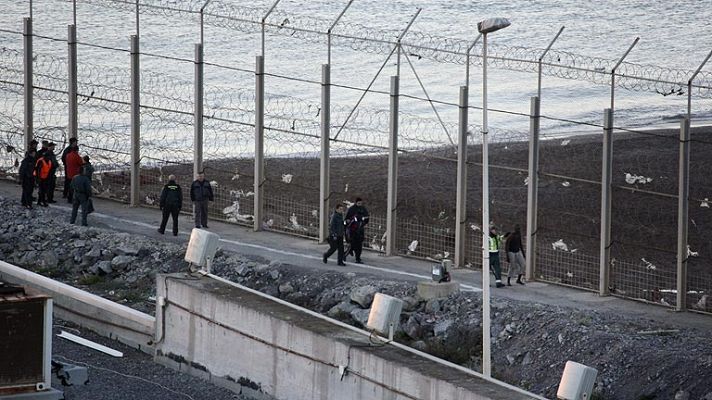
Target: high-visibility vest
(494, 243)
(44, 167)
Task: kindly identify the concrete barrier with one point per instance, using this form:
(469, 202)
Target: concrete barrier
(102, 316)
(264, 347)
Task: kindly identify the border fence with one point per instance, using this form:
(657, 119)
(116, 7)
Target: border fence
(623, 211)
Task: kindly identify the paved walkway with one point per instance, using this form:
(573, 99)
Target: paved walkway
(307, 253)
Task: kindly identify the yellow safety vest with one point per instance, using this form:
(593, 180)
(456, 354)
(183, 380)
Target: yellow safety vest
(495, 243)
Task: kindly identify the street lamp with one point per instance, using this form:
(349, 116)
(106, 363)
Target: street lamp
(485, 27)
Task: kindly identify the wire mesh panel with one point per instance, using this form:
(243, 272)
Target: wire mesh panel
(569, 211)
(699, 273)
(11, 109)
(644, 215)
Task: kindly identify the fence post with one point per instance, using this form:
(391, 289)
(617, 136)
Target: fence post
(198, 112)
(135, 123)
(606, 179)
(682, 214)
(259, 141)
(72, 82)
(28, 85)
(324, 175)
(392, 202)
(533, 188)
(461, 210)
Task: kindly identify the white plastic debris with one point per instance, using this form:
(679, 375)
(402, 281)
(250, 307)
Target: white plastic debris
(441, 215)
(648, 265)
(149, 201)
(412, 246)
(633, 179)
(705, 203)
(315, 213)
(565, 142)
(235, 177)
(526, 181)
(560, 245)
(233, 213)
(269, 223)
(214, 184)
(294, 222)
(565, 183)
(346, 188)
(691, 253)
(569, 274)
(475, 227)
(287, 178)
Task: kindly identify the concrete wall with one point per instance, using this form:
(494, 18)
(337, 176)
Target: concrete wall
(102, 316)
(256, 344)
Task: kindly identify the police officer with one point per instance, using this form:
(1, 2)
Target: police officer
(52, 172)
(495, 244)
(356, 221)
(27, 177)
(336, 235)
(171, 203)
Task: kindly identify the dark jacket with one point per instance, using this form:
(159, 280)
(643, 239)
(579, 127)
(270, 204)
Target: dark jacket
(27, 168)
(358, 214)
(55, 165)
(201, 191)
(81, 185)
(336, 227)
(88, 170)
(171, 196)
(514, 242)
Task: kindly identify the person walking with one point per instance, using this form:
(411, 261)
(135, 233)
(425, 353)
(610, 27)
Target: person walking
(73, 167)
(171, 203)
(27, 177)
(356, 221)
(200, 193)
(336, 236)
(67, 179)
(52, 172)
(515, 255)
(81, 196)
(495, 243)
(43, 167)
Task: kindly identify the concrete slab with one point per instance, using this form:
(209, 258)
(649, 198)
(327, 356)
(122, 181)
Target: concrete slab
(433, 290)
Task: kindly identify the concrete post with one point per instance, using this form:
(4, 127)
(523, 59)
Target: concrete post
(28, 84)
(324, 173)
(198, 112)
(461, 210)
(72, 82)
(682, 214)
(135, 123)
(606, 179)
(259, 141)
(533, 188)
(392, 202)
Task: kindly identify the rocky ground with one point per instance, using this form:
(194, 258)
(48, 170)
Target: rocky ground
(636, 358)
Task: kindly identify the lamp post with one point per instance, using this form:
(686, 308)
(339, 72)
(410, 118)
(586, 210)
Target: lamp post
(487, 26)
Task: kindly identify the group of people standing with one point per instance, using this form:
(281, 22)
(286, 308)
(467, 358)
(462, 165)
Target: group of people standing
(171, 202)
(39, 168)
(351, 227)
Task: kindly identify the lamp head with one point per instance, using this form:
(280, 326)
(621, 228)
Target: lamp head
(492, 24)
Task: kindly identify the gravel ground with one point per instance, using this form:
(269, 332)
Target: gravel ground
(133, 376)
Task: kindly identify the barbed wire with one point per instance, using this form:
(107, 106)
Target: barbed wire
(562, 64)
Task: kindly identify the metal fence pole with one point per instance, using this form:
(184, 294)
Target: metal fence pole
(461, 211)
(198, 113)
(324, 174)
(28, 84)
(135, 123)
(533, 188)
(259, 141)
(682, 214)
(392, 202)
(72, 82)
(606, 179)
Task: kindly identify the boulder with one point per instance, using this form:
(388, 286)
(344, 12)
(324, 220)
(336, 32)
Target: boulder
(432, 306)
(122, 262)
(342, 310)
(48, 259)
(360, 316)
(127, 251)
(286, 288)
(433, 290)
(363, 295)
(442, 327)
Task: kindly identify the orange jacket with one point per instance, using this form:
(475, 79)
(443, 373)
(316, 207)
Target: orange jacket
(42, 168)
